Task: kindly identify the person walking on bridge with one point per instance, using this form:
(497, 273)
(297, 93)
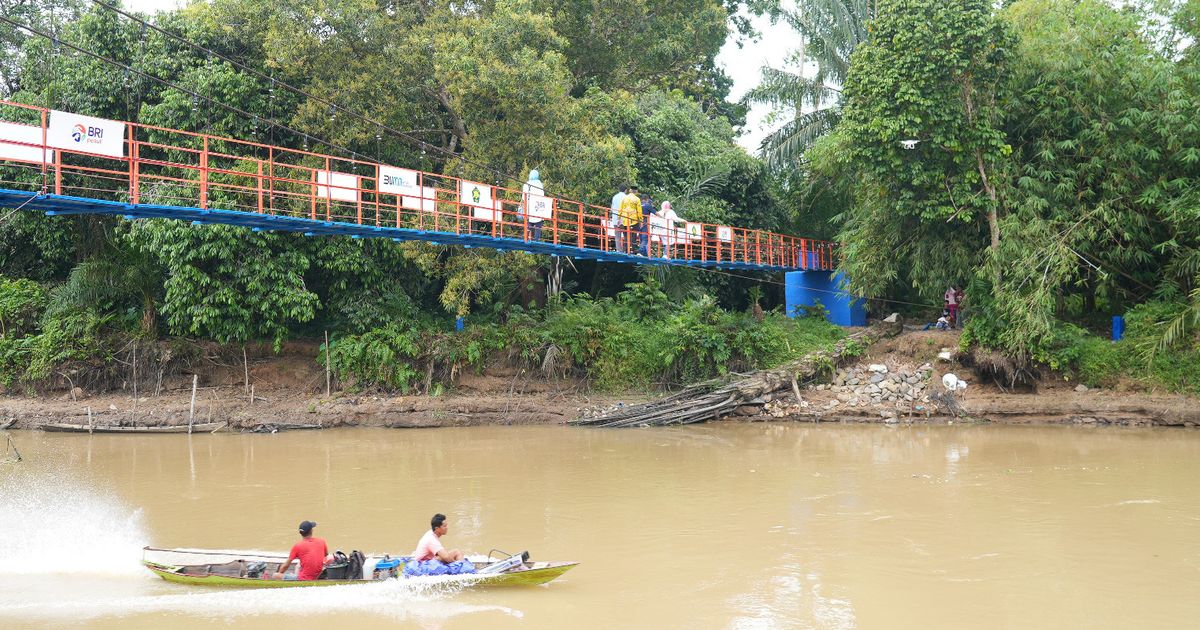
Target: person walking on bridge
(643, 226)
(630, 215)
(614, 215)
(532, 187)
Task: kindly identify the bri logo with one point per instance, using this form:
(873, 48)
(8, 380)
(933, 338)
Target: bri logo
(93, 135)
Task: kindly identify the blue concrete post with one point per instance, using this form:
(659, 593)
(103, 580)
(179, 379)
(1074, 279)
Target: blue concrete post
(806, 288)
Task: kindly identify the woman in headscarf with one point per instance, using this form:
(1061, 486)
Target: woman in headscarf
(663, 228)
(533, 187)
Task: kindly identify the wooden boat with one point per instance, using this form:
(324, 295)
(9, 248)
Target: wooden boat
(201, 567)
(65, 427)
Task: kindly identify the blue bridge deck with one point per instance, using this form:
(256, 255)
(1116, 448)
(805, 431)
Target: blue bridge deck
(57, 205)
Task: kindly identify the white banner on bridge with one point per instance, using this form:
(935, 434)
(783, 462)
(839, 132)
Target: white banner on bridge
(427, 200)
(337, 186)
(695, 231)
(26, 135)
(539, 207)
(399, 181)
(86, 134)
(724, 233)
(479, 198)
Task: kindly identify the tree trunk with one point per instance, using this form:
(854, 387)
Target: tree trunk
(714, 399)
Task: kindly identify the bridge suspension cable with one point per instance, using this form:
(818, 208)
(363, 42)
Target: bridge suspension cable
(196, 95)
(423, 145)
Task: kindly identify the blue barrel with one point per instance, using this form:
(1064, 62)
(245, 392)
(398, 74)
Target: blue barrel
(1118, 329)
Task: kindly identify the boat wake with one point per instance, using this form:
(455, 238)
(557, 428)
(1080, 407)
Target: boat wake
(394, 600)
(55, 523)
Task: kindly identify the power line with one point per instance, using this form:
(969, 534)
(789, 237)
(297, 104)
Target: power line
(193, 94)
(332, 104)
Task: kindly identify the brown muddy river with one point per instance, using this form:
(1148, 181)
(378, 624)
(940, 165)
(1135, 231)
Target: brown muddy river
(718, 526)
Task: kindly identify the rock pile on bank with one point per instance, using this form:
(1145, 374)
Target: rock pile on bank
(893, 390)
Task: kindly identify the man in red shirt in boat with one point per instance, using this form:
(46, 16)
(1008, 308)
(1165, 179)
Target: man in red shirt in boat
(430, 546)
(310, 551)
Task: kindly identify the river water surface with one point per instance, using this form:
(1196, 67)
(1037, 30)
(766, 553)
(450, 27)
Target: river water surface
(717, 526)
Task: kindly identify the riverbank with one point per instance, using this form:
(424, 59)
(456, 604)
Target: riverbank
(896, 381)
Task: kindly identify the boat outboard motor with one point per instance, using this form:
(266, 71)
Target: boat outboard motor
(255, 569)
(506, 564)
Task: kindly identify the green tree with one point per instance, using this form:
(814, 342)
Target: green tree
(227, 283)
(921, 126)
(830, 31)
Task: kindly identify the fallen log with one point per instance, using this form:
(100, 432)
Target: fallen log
(713, 399)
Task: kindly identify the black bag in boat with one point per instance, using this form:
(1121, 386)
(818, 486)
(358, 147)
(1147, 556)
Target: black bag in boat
(344, 567)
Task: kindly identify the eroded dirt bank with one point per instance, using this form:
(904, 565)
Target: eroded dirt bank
(289, 388)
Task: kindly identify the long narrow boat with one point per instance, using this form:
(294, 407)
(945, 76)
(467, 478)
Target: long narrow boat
(200, 567)
(65, 427)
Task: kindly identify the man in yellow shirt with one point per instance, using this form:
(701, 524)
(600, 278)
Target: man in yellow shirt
(630, 214)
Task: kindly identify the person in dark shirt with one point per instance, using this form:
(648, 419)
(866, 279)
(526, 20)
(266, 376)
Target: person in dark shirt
(310, 551)
(643, 227)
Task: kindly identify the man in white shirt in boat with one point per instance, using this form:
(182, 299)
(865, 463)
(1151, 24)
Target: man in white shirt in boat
(430, 546)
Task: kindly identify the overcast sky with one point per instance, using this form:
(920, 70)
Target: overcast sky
(742, 64)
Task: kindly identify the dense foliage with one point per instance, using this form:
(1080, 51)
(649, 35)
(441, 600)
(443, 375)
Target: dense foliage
(1043, 152)
(592, 94)
(638, 340)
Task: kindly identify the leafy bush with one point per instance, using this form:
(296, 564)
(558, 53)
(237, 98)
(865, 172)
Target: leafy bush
(1095, 360)
(22, 302)
(638, 340)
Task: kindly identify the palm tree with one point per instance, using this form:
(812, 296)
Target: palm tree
(829, 31)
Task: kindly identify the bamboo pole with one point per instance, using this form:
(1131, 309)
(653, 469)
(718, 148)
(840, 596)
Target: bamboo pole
(89, 409)
(245, 370)
(327, 352)
(192, 410)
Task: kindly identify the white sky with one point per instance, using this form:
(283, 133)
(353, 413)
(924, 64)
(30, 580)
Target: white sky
(742, 64)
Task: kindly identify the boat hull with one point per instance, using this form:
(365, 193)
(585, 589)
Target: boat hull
(62, 427)
(531, 574)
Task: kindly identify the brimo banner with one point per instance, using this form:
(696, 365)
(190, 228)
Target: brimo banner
(85, 134)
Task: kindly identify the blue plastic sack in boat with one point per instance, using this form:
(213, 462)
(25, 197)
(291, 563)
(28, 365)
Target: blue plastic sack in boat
(425, 567)
(437, 567)
(461, 567)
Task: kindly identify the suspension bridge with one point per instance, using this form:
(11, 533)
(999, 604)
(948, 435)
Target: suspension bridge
(62, 163)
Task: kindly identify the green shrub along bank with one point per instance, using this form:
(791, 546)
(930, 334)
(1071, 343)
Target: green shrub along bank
(639, 340)
(1092, 358)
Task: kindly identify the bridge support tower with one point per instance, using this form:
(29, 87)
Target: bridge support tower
(806, 288)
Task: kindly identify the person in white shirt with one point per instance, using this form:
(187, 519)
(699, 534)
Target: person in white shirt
(533, 187)
(664, 228)
(614, 218)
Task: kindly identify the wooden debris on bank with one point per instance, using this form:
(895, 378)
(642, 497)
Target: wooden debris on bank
(720, 397)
